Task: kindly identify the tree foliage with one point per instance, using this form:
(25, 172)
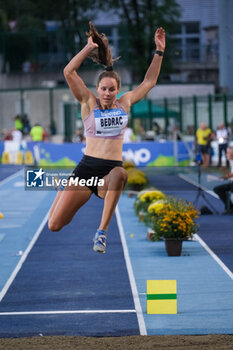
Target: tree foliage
(138, 22)
(30, 18)
(3, 21)
(142, 17)
(69, 13)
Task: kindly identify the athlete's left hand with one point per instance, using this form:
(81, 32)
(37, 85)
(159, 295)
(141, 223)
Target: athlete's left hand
(160, 39)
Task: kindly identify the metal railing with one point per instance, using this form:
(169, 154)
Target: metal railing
(46, 106)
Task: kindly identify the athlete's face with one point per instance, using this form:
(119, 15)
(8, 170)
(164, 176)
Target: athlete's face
(107, 91)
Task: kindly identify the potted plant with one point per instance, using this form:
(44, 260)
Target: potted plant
(136, 179)
(153, 211)
(127, 164)
(174, 222)
(144, 200)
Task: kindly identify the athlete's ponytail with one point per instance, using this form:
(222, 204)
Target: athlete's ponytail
(102, 54)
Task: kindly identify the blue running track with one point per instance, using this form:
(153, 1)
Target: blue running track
(63, 287)
(53, 283)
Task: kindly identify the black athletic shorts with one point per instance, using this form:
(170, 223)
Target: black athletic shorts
(203, 149)
(94, 167)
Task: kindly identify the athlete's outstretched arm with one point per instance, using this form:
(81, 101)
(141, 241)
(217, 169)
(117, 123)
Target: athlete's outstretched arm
(151, 75)
(76, 84)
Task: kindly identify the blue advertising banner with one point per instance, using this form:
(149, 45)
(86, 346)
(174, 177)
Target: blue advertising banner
(142, 154)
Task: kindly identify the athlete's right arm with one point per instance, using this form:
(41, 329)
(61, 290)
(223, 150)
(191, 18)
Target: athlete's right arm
(76, 84)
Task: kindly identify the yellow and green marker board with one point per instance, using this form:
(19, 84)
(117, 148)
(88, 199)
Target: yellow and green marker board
(161, 297)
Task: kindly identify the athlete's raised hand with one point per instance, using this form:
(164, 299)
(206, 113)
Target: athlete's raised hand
(160, 39)
(91, 44)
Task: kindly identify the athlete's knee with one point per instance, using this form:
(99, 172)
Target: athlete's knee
(124, 176)
(120, 174)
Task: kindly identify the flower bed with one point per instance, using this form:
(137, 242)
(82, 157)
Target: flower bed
(168, 217)
(136, 178)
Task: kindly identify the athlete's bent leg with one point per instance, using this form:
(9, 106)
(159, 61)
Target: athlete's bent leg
(115, 183)
(65, 206)
(54, 203)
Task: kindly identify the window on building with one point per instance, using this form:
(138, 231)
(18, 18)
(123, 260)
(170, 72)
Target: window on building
(192, 27)
(192, 49)
(177, 49)
(186, 40)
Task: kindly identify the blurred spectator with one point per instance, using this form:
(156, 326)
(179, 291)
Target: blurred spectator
(203, 138)
(6, 135)
(17, 135)
(26, 125)
(46, 135)
(18, 123)
(175, 133)
(156, 128)
(222, 137)
(150, 135)
(128, 135)
(189, 130)
(229, 129)
(79, 137)
(223, 191)
(37, 132)
(141, 132)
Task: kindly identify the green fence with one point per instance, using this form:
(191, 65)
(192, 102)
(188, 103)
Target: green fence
(47, 106)
(185, 112)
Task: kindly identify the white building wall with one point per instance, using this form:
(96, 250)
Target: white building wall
(225, 11)
(204, 11)
(161, 91)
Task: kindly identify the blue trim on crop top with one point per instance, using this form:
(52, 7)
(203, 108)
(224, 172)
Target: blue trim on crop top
(106, 123)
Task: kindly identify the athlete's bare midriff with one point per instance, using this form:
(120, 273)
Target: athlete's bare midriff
(104, 148)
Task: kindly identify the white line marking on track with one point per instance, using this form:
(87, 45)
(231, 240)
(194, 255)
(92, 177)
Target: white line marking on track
(19, 184)
(2, 235)
(141, 322)
(214, 256)
(64, 312)
(7, 179)
(23, 258)
(198, 238)
(192, 182)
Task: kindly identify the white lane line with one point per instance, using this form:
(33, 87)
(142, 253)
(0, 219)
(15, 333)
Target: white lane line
(198, 238)
(3, 182)
(192, 182)
(214, 256)
(23, 258)
(141, 322)
(64, 312)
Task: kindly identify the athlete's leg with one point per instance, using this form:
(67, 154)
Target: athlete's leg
(66, 204)
(114, 183)
(54, 203)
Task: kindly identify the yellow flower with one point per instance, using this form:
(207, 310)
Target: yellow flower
(128, 165)
(142, 192)
(156, 207)
(135, 171)
(136, 177)
(175, 219)
(152, 196)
